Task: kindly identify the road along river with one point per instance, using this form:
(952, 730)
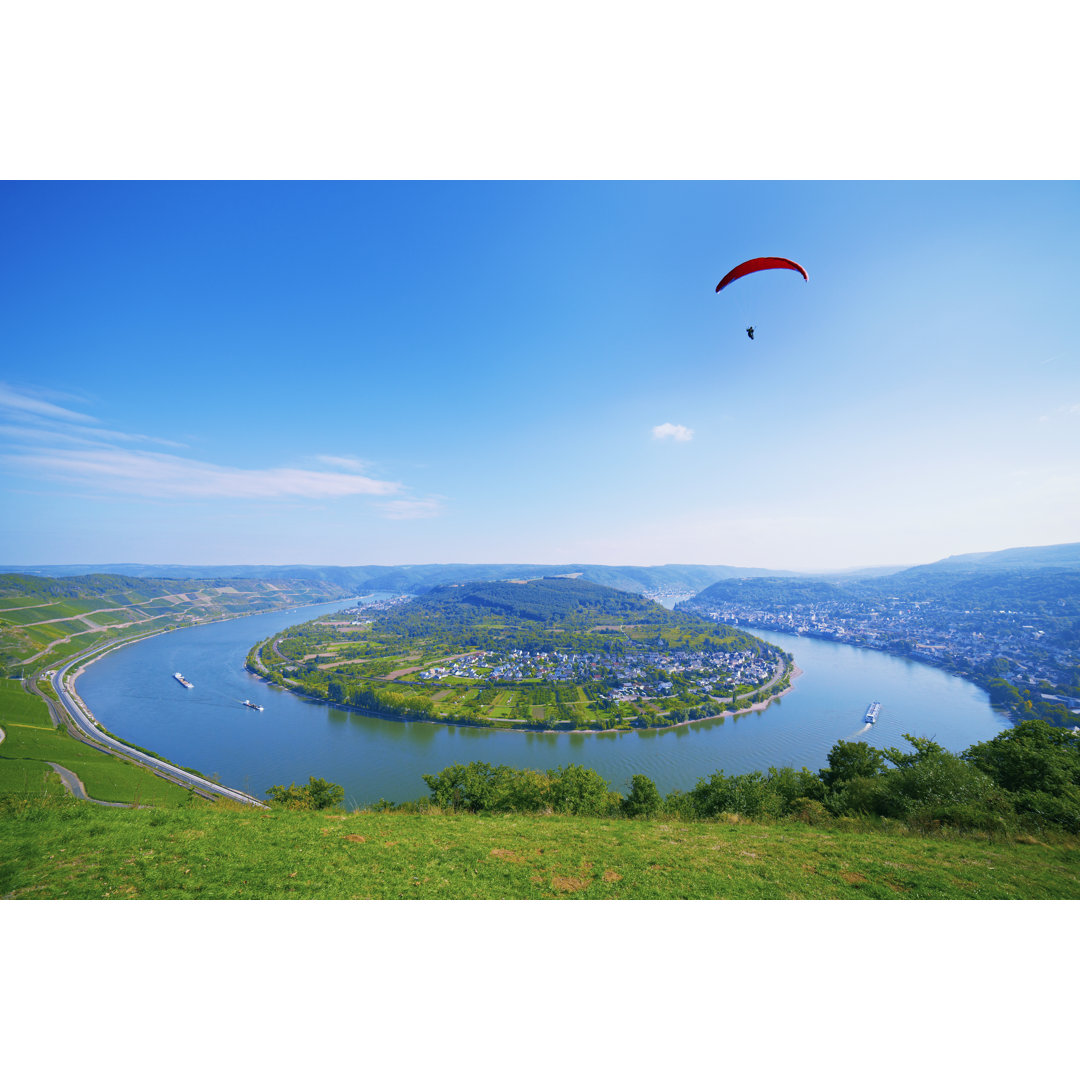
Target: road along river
(133, 693)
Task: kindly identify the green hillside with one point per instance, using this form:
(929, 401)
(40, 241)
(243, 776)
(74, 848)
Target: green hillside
(67, 850)
(44, 620)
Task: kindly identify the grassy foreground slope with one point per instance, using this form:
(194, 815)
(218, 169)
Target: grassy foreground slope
(61, 849)
(31, 742)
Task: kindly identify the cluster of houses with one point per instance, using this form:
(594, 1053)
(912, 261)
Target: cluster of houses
(966, 641)
(641, 674)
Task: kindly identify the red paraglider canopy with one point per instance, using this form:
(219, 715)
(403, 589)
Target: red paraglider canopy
(751, 266)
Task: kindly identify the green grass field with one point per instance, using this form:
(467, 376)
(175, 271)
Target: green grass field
(31, 741)
(58, 848)
(19, 707)
(60, 610)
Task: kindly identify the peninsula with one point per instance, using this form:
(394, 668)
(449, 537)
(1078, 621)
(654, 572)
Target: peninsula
(556, 653)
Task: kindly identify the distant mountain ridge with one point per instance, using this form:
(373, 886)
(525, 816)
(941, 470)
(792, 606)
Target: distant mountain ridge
(1060, 556)
(690, 577)
(418, 577)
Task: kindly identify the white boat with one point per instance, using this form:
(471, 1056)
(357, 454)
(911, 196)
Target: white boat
(252, 705)
(182, 681)
(872, 712)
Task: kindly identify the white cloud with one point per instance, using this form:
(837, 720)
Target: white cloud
(50, 442)
(673, 431)
(350, 464)
(412, 508)
(11, 400)
(166, 475)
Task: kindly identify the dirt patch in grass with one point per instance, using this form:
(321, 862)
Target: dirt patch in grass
(610, 875)
(356, 838)
(852, 878)
(562, 884)
(505, 853)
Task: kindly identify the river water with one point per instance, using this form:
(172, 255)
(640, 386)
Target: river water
(133, 693)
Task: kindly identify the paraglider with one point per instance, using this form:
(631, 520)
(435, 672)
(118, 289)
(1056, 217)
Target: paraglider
(752, 266)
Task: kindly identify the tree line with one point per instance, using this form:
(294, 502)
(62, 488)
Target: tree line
(1024, 779)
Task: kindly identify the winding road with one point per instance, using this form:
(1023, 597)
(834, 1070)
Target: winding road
(92, 733)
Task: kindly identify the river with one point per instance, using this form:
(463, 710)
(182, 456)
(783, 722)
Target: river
(133, 693)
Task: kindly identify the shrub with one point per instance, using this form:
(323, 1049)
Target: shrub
(795, 785)
(644, 798)
(316, 794)
(848, 760)
(1033, 756)
(1043, 809)
(577, 790)
(809, 810)
(858, 796)
(749, 794)
(935, 783)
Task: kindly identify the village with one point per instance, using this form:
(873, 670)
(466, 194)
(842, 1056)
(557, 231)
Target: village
(1006, 643)
(635, 677)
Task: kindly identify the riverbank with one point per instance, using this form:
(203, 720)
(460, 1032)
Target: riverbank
(71, 679)
(929, 661)
(92, 731)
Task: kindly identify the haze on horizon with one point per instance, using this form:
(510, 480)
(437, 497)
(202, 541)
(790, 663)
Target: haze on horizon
(402, 373)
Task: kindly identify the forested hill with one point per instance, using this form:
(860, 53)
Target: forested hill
(566, 601)
(1050, 592)
(1062, 556)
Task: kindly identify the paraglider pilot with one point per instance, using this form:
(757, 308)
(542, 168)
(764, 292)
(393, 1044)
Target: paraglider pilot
(750, 332)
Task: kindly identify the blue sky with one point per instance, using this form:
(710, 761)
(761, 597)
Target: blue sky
(359, 373)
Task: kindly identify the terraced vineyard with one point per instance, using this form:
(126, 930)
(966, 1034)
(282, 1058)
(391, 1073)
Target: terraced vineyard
(45, 620)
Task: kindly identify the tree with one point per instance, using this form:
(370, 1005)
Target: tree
(644, 798)
(848, 760)
(1033, 756)
(577, 790)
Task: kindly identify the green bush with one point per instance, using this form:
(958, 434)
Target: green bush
(1044, 809)
(644, 798)
(478, 786)
(848, 760)
(795, 785)
(316, 794)
(860, 795)
(749, 794)
(934, 783)
(1033, 756)
(577, 790)
(809, 810)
